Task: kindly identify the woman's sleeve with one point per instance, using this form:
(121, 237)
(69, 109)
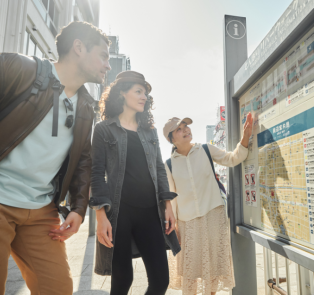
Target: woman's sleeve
(172, 186)
(99, 187)
(229, 159)
(163, 186)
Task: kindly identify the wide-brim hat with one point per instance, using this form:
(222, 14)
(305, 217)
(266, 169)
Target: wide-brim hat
(134, 77)
(173, 124)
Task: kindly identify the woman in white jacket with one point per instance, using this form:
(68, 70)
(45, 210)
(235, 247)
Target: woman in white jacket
(204, 265)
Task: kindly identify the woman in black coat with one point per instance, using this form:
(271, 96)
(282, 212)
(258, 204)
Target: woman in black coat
(130, 190)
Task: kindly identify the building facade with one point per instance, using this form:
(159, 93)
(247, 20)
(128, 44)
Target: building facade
(210, 133)
(119, 62)
(30, 26)
(219, 140)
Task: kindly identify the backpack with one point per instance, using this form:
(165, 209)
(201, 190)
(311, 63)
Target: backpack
(43, 77)
(223, 193)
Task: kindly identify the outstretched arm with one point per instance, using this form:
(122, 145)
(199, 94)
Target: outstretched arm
(231, 159)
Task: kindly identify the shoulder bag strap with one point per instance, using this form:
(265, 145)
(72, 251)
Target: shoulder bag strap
(205, 147)
(221, 186)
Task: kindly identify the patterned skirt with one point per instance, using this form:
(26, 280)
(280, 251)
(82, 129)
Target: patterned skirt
(204, 264)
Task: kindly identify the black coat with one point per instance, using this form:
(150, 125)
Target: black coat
(108, 168)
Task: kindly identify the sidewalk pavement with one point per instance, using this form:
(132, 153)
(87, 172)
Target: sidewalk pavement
(81, 251)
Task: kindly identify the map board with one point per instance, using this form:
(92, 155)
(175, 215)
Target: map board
(278, 175)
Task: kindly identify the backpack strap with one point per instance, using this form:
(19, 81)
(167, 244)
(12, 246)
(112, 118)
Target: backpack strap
(205, 147)
(169, 164)
(43, 76)
(42, 80)
(57, 90)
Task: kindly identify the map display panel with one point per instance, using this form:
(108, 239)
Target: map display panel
(278, 175)
(286, 177)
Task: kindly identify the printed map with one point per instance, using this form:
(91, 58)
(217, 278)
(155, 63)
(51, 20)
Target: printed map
(278, 175)
(283, 186)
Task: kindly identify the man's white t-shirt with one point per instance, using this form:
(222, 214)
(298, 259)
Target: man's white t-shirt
(26, 174)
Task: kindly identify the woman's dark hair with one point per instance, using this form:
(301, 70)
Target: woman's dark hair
(170, 135)
(111, 104)
(86, 32)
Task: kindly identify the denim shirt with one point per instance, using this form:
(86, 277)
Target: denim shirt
(108, 168)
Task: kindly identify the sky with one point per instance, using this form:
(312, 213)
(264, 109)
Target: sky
(178, 46)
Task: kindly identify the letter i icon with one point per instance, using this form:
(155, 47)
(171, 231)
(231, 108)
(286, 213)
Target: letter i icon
(236, 30)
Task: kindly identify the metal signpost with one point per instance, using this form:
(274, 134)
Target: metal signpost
(243, 250)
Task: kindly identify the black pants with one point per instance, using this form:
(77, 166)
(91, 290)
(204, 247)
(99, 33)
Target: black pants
(144, 225)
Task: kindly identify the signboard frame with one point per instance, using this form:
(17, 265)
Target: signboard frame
(302, 21)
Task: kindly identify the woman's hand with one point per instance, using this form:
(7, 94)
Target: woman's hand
(171, 224)
(247, 130)
(104, 228)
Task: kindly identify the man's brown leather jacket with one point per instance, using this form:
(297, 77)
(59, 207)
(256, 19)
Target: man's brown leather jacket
(17, 73)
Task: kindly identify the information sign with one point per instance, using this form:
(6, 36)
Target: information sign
(278, 175)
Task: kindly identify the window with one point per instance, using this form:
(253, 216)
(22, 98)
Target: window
(25, 43)
(45, 2)
(50, 13)
(31, 47)
(39, 53)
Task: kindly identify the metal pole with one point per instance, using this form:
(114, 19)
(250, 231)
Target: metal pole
(243, 250)
(312, 282)
(92, 213)
(288, 276)
(92, 222)
(268, 270)
(305, 281)
(277, 269)
(299, 289)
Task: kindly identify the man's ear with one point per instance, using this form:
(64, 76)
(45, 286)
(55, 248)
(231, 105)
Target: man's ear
(78, 47)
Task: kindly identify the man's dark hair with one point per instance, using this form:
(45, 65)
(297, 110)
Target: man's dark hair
(86, 32)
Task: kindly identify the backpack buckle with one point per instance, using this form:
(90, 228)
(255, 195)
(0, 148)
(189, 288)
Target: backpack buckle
(38, 84)
(57, 86)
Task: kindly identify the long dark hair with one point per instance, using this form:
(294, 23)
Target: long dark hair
(111, 104)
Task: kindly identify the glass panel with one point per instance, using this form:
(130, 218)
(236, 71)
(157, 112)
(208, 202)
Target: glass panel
(56, 18)
(45, 2)
(26, 37)
(51, 8)
(41, 8)
(31, 47)
(48, 21)
(39, 53)
(52, 29)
